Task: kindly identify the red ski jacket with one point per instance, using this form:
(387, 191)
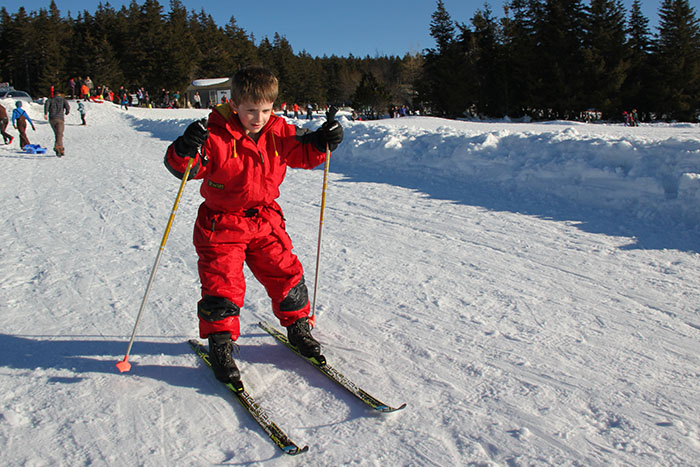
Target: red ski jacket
(239, 173)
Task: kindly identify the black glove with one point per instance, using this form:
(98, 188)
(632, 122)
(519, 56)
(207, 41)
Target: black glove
(192, 139)
(330, 133)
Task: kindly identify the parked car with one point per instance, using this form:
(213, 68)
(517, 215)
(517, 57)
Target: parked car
(16, 95)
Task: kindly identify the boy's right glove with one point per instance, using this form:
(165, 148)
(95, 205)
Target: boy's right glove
(331, 133)
(192, 139)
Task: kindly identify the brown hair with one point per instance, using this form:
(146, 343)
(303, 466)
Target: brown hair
(254, 83)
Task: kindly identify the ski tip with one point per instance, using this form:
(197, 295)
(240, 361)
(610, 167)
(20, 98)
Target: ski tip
(293, 449)
(388, 409)
(124, 365)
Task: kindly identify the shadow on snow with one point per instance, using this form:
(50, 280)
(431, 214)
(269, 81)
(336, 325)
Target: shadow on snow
(654, 232)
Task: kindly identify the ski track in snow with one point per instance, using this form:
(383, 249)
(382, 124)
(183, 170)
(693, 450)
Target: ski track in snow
(529, 290)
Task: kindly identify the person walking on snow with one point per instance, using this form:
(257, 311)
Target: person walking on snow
(84, 92)
(4, 120)
(54, 110)
(241, 155)
(71, 85)
(82, 112)
(19, 122)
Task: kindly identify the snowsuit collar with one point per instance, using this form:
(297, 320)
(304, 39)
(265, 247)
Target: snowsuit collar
(224, 117)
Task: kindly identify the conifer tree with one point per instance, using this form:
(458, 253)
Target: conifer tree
(144, 44)
(91, 52)
(343, 77)
(19, 64)
(370, 95)
(411, 70)
(637, 85)
(677, 58)
(181, 52)
(519, 56)
(49, 39)
(307, 86)
(284, 64)
(243, 51)
(559, 35)
(442, 88)
(215, 60)
(606, 56)
(488, 64)
(442, 28)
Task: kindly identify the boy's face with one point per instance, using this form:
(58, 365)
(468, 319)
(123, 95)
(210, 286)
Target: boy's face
(253, 116)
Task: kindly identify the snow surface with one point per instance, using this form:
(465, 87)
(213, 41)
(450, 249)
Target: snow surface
(529, 290)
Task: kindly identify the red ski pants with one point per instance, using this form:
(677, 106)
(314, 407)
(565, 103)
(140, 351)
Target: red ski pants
(256, 237)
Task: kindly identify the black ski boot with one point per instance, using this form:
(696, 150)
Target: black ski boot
(221, 358)
(299, 335)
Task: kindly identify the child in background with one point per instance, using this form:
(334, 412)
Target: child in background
(241, 155)
(82, 112)
(19, 122)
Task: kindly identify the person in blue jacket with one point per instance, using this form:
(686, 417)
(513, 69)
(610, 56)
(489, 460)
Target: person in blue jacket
(19, 122)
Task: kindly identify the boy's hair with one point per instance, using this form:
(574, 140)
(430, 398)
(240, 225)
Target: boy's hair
(254, 83)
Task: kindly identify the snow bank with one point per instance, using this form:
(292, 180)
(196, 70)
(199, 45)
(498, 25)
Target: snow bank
(640, 170)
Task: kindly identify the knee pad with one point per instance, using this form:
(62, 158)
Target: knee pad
(212, 308)
(296, 299)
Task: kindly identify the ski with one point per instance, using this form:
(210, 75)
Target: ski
(262, 418)
(332, 373)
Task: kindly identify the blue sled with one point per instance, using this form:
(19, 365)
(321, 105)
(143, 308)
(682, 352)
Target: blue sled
(34, 149)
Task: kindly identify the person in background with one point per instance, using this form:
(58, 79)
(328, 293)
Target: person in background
(84, 92)
(19, 122)
(82, 112)
(4, 120)
(71, 85)
(90, 85)
(123, 97)
(54, 110)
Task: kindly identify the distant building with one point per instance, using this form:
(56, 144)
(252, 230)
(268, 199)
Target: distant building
(212, 91)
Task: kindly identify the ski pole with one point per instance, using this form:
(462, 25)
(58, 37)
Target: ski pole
(124, 365)
(330, 115)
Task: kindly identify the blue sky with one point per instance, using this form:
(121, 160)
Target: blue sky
(327, 27)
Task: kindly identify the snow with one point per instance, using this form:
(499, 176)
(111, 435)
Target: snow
(209, 81)
(530, 290)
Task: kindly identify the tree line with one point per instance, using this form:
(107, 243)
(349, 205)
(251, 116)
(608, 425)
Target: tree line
(543, 59)
(559, 58)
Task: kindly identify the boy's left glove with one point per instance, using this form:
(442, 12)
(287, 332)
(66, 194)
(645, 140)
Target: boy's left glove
(330, 133)
(193, 139)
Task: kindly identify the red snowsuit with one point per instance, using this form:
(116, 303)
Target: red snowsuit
(240, 221)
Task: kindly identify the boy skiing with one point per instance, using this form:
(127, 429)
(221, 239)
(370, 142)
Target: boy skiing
(241, 156)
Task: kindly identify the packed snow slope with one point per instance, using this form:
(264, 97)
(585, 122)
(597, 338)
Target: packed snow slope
(529, 290)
